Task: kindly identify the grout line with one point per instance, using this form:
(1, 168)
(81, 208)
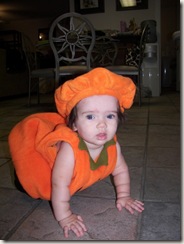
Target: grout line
(21, 221)
(143, 179)
(145, 157)
(174, 104)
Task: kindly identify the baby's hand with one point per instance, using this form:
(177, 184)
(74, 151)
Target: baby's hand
(130, 204)
(74, 223)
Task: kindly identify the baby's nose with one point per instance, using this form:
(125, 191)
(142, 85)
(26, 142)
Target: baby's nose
(101, 124)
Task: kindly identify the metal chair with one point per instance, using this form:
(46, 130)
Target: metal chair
(132, 70)
(34, 72)
(104, 52)
(72, 38)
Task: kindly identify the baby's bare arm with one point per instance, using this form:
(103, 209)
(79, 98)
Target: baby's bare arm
(61, 179)
(122, 184)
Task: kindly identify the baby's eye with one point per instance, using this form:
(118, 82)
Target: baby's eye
(111, 116)
(90, 116)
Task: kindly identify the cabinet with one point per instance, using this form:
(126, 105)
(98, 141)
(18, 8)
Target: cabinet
(13, 71)
(11, 41)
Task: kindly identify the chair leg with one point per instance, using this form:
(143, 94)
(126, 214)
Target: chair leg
(29, 92)
(140, 98)
(139, 87)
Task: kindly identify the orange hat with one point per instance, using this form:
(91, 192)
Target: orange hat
(98, 81)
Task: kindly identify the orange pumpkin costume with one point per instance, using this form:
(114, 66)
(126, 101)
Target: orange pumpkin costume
(33, 140)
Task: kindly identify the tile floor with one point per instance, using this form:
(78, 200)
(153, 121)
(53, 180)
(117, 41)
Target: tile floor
(150, 140)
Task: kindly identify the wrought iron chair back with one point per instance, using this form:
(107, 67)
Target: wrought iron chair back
(72, 38)
(104, 52)
(136, 71)
(35, 73)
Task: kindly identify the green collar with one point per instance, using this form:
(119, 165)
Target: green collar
(102, 159)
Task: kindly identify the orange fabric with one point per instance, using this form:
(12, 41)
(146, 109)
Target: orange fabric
(33, 148)
(33, 171)
(33, 140)
(98, 81)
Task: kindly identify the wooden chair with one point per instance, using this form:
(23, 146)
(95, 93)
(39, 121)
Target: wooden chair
(132, 70)
(35, 73)
(72, 38)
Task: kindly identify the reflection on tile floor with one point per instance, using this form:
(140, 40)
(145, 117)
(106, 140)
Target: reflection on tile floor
(150, 141)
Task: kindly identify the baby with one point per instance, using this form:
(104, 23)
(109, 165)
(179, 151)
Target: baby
(78, 146)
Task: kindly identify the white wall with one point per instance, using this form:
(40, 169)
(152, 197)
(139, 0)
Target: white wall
(111, 18)
(29, 27)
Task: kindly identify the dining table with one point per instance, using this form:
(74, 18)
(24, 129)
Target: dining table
(125, 41)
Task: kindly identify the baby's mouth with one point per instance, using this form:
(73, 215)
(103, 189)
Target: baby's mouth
(102, 136)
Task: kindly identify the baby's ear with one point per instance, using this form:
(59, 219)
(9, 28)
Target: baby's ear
(74, 128)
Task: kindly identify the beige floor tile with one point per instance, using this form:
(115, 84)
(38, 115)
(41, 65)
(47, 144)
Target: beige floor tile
(4, 150)
(164, 129)
(161, 222)
(134, 156)
(163, 140)
(15, 207)
(162, 185)
(7, 177)
(150, 142)
(133, 140)
(163, 157)
(102, 220)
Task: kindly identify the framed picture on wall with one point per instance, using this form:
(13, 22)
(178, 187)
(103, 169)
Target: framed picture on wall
(122, 5)
(89, 6)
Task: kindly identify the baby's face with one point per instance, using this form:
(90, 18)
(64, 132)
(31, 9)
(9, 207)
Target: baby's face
(97, 119)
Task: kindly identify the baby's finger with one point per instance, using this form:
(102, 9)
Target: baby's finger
(83, 226)
(65, 230)
(129, 208)
(137, 207)
(119, 207)
(139, 202)
(77, 229)
(79, 218)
